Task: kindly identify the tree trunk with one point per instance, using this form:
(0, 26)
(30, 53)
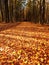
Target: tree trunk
(42, 11)
(1, 11)
(6, 11)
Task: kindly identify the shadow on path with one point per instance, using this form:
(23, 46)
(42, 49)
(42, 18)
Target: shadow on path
(8, 26)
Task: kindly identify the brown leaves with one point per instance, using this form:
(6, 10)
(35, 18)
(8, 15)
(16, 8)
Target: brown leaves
(20, 47)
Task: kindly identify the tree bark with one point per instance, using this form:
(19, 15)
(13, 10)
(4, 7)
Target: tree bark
(1, 11)
(6, 11)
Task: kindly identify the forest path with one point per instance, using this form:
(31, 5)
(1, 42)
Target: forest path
(25, 43)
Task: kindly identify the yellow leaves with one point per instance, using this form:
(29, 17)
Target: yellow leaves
(12, 64)
(12, 44)
(14, 53)
(9, 61)
(27, 45)
(25, 60)
(36, 56)
(19, 52)
(19, 57)
(1, 49)
(6, 49)
(38, 48)
(45, 55)
(38, 63)
(41, 59)
(37, 53)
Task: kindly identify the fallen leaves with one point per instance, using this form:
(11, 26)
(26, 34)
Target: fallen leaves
(24, 47)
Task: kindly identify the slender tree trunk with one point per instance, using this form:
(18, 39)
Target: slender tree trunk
(1, 11)
(42, 11)
(11, 10)
(34, 9)
(6, 11)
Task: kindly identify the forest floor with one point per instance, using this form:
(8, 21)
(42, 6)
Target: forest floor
(24, 43)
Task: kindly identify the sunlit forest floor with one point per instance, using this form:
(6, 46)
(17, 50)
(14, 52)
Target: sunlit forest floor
(24, 43)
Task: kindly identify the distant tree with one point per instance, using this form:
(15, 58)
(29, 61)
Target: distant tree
(42, 11)
(35, 11)
(11, 10)
(6, 11)
(29, 10)
(18, 8)
(1, 10)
